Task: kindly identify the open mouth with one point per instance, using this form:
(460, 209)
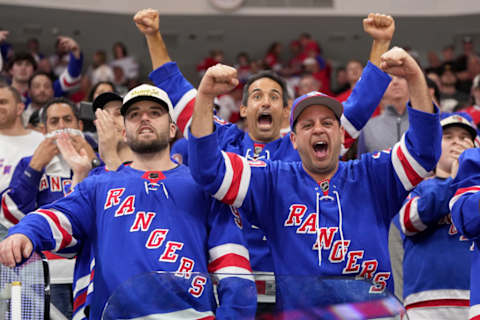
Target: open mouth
(265, 120)
(320, 148)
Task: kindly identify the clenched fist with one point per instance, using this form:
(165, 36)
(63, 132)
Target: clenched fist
(219, 79)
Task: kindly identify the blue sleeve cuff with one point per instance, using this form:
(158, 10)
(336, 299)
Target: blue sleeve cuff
(32, 176)
(164, 72)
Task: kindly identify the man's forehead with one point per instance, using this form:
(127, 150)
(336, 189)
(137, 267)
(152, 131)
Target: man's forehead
(59, 109)
(41, 78)
(265, 84)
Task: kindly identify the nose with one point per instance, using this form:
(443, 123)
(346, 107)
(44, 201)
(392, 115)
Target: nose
(61, 124)
(318, 128)
(144, 116)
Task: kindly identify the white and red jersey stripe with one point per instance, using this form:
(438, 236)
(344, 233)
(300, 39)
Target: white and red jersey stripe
(230, 258)
(460, 192)
(474, 313)
(409, 218)
(68, 82)
(236, 180)
(408, 170)
(10, 214)
(60, 227)
(183, 110)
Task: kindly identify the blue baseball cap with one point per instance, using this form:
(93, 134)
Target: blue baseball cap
(314, 98)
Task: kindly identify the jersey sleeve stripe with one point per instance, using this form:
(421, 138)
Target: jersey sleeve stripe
(349, 127)
(183, 110)
(221, 250)
(460, 192)
(11, 215)
(67, 81)
(236, 187)
(227, 178)
(60, 227)
(408, 170)
(474, 312)
(410, 219)
(229, 260)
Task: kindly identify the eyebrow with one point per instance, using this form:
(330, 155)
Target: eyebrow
(259, 90)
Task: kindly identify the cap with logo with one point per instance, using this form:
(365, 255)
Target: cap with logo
(146, 92)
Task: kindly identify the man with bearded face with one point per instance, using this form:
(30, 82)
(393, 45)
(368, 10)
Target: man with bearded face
(155, 216)
(322, 217)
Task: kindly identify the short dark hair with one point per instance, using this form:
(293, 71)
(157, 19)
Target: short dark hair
(39, 73)
(22, 56)
(265, 74)
(98, 84)
(53, 101)
(16, 95)
(432, 85)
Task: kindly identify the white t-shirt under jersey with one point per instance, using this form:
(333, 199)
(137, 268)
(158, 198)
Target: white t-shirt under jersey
(12, 149)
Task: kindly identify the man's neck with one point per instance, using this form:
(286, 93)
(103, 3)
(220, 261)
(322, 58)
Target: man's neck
(265, 141)
(16, 129)
(318, 177)
(400, 106)
(22, 87)
(159, 161)
(439, 173)
(124, 153)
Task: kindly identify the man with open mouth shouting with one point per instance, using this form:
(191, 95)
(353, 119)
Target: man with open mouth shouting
(321, 216)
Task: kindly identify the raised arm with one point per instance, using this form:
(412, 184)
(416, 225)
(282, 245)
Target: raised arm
(217, 80)
(399, 63)
(369, 89)
(147, 21)
(70, 78)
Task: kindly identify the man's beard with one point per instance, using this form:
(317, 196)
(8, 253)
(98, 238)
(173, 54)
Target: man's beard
(153, 146)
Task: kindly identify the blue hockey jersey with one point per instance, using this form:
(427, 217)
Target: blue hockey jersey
(365, 97)
(328, 228)
(427, 231)
(138, 222)
(466, 217)
(31, 189)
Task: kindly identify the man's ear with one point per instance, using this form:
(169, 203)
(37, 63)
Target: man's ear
(342, 135)
(243, 111)
(80, 125)
(293, 139)
(20, 108)
(173, 131)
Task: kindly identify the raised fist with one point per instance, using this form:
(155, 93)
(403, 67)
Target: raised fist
(147, 21)
(399, 63)
(219, 79)
(379, 26)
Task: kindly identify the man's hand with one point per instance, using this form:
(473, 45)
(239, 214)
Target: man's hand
(77, 159)
(379, 26)
(44, 153)
(3, 35)
(219, 79)
(399, 63)
(14, 248)
(147, 21)
(69, 45)
(109, 137)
